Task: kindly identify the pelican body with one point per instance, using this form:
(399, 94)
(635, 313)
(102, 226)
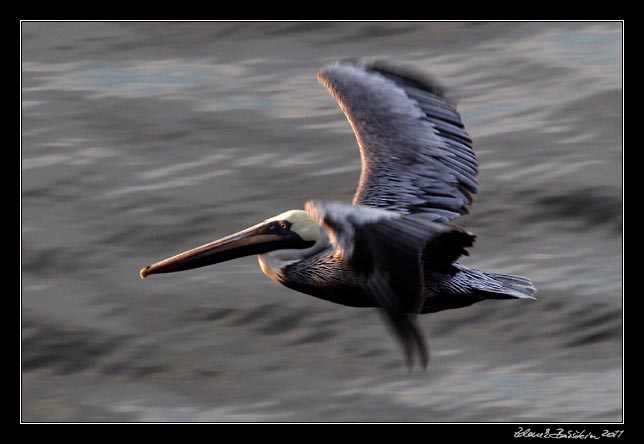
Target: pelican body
(394, 247)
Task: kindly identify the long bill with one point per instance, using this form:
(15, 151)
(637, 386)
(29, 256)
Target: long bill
(254, 240)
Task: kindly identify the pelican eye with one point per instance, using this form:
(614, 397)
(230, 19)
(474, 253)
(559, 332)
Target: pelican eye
(279, 226)
(284, 224)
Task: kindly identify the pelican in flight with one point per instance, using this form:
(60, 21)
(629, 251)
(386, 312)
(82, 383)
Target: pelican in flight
(394, 247)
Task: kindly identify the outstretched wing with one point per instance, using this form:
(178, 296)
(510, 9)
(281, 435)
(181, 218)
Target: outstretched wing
(416, 156)
(387, 251)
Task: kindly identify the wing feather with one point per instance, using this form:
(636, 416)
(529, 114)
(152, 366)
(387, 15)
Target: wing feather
(417, 157)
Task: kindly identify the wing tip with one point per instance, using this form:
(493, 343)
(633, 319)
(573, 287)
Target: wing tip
(406, 74)
(327, 71)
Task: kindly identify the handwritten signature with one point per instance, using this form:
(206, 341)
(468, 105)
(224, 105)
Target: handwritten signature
(566, 434)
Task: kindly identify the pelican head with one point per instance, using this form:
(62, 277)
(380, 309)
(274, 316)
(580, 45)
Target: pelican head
(280, 240)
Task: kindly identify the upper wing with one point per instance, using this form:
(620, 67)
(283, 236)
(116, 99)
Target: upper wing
(416, 156)
(387, 250)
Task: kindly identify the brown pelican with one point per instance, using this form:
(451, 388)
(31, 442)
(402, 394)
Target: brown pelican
(394, 247)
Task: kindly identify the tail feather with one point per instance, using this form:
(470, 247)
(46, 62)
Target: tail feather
(468, 286)
(511, 287)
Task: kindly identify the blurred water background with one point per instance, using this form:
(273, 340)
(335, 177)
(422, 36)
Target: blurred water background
(140, 140)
